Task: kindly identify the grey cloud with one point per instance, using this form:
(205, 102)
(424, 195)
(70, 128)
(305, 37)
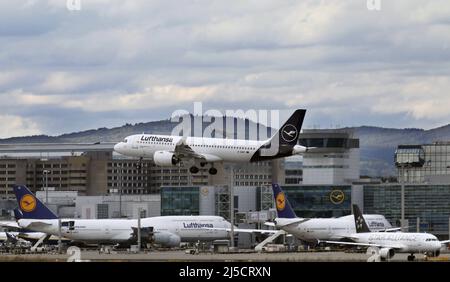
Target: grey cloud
(319, 55)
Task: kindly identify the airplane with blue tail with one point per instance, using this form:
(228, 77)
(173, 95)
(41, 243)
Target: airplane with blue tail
(315, 229)
(168, 231)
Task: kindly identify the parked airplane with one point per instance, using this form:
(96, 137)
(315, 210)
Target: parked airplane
(172, 150)
(314, 229)
(390, 243)
(167, 231)
(21, 233)
(11, 239)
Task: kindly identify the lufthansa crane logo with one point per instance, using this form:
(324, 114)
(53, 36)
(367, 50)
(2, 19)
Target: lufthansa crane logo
(28, 203)
(281, 201)
(289, 133)
(337, 197)
(204, 191)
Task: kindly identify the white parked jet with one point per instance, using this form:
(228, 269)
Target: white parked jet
(168, 231)
(314, 229)
(171, 150)
(24, 234)
(390, 243)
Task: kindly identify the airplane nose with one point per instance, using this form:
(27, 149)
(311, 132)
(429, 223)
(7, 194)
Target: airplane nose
(118, 147)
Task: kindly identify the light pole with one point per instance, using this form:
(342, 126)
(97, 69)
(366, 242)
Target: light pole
(120, 190)
(46, 172)
(232, 204)
(139, 231)
(404, 180)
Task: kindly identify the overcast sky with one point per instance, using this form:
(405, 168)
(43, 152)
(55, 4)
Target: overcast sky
(117, 62)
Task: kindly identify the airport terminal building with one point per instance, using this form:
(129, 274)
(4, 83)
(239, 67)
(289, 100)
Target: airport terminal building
(426, 207)
(328, 171)
(421, 198)
(322, 183)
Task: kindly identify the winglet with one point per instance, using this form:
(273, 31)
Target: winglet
(30, 206)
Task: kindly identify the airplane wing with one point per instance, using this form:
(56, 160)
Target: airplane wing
(184, 151)
(394, 229)
(362, 244)
(262, 231)
(244, 230)
(444, 242)
(37, 225)
(298, 221)
(10, 224)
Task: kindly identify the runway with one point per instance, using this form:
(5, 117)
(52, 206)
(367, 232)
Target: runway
(181, 256)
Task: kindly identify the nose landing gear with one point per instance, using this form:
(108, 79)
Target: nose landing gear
(139, 163)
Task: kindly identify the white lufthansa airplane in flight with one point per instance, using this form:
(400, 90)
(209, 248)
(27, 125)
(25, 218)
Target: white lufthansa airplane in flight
(317, 229)
(168, 150)
(168, 231)
(388, 244)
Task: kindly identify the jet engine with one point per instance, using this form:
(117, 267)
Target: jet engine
(165, 158)
(386, 253)
(166, 239)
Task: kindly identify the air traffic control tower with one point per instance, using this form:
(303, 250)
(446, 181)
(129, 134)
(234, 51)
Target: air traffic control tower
(334, 159)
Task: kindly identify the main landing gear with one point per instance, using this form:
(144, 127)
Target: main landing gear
(411, 257)
(194, 170)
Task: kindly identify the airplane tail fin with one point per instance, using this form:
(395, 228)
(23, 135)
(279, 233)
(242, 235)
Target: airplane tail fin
(31, 207)
(17, 214)
(11, 238)
(284, 142)
(360, 222)
(288, 134)
(284, 209)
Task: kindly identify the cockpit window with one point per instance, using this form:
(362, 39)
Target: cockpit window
(125, 140)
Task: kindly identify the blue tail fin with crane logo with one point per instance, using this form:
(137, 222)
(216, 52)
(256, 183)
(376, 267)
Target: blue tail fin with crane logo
(284, 209)
(31, 207)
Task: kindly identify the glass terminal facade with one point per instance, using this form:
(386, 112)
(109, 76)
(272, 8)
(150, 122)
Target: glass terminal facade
(428, 203)
(429, 163)
(180, 201)
(319, 201)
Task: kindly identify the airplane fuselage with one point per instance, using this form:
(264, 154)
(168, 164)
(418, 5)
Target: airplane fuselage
(215, 149)
(187, 228)
(404, 242)
(328, 228)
